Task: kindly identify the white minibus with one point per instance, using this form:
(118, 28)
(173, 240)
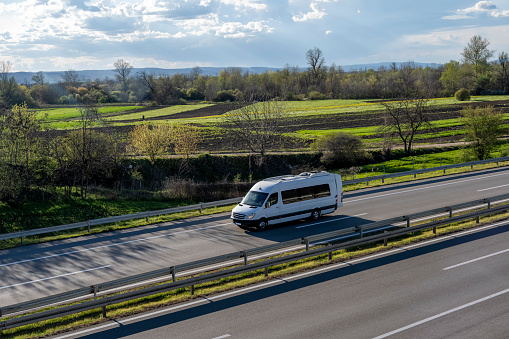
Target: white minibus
(289, 197)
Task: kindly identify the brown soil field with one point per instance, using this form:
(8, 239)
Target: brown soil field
(222, 142)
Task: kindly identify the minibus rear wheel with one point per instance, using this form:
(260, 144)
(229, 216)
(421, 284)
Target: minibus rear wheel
(315, 215)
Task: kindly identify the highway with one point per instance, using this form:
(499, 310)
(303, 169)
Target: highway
(35, 271)
(450, 287)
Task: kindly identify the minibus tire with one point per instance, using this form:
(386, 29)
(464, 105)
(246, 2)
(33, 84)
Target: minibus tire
(262, 225)
(315, 215)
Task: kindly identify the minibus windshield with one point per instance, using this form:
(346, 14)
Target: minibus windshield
(255, 198)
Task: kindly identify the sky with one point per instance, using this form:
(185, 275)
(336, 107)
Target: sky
(58, 35)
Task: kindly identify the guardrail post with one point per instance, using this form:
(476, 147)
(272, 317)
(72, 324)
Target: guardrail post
(434, 230)
(104, 311)
(450, 211)
(172, 269)
(360, 230)
(385, 239)
(266, 272)
(407, 221)
(244, 254)
(306, 241)
(192, 289)
(148, 215)
(201, 207)
(96, 289)
(330, 256)
(22, 240)
(88, 226)
(477, 220)
(489, 203)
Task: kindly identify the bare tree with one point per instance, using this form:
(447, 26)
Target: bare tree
(503, 71)
(70, 78)
(5, 69)
(257, 126)
(39, 78)
(123, 69)
(404, 119)
(316, 62)
(476, 53)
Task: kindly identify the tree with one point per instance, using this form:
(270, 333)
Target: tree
(257, 126)
(39, 78)
(404, 119)
(70, 78)
(185, 139)
(19, 149)
(339, 149)
(503, 71)
(316, 62)
(483, 126)
(150, 140)
(123, 69)
(476, 53)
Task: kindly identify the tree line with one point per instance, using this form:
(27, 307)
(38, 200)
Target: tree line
(476, 72)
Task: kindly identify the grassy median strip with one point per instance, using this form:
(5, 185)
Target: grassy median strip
(117, 311)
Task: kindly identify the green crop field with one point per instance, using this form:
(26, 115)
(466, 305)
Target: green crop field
(158, 112)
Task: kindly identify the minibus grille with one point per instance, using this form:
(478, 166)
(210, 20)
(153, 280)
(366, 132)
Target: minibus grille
(238, 216)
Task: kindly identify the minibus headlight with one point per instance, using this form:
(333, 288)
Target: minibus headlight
(251, 216)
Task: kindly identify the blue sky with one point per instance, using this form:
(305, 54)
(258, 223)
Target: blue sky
(56, 35)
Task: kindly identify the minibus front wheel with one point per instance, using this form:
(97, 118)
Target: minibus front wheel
(262, 225)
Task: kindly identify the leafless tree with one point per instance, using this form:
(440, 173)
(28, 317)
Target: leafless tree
(70, 78)
(5, 69)
(316, 62)
(404, 118)
(257, 126)
(123, 69)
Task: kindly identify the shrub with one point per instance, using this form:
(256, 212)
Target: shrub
(340, 149)
(315, 95)
(462, 94)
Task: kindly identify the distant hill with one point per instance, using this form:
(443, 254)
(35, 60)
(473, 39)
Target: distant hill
(88, 75)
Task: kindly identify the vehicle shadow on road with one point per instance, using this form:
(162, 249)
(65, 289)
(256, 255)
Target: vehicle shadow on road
(285, 286)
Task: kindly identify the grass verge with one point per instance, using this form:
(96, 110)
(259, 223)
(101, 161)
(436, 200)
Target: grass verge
(94, 317)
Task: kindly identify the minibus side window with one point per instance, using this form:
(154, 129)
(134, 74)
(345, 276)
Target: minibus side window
(273, 199)
(321, 191)
(290, 196)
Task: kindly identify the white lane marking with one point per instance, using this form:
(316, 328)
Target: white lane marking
(474, 260)
(492, 188)
(494, 295)
(110, 245)
(55, 277)
(223, 336)
(425, 188)
(323, 222)
(272, 282)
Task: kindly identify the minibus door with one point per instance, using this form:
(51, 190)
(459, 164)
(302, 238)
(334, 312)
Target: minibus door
(272, 208)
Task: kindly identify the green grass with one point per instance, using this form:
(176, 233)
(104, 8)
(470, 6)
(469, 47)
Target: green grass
(158, 112)
(56, 114)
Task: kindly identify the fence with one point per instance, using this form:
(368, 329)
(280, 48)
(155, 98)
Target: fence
(202, 206)
(328, 241)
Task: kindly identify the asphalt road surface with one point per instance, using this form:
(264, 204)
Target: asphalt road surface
(450, 287)
(35, 271)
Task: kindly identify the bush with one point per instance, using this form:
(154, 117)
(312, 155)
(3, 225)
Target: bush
(462, 94)
(340, 150)
(223, 96)
(315, 95)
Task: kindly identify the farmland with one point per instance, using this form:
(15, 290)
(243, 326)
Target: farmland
(308, 120)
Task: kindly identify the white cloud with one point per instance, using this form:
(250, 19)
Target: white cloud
(252, 4)
(480, 8)
(315, 14)
(328, 32)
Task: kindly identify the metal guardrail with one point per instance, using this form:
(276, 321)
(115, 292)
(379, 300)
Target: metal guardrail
(201, 206)
(327, 238)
